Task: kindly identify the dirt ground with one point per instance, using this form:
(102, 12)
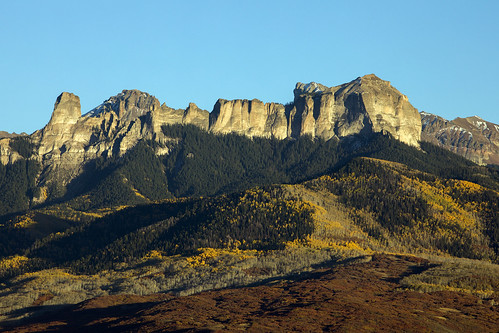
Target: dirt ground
(361, 297)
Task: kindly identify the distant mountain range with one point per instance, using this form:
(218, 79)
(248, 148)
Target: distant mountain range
(472, 137)
(69, 141)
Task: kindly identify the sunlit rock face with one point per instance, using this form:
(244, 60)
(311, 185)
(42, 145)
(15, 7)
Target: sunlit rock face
(365, 105)
(66, 113)
(251, 118)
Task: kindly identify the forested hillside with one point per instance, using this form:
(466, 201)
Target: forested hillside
(201, 164)
(227, 210)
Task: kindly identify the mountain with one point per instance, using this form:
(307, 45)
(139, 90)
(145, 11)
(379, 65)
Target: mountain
(136, 198)
(367, 104)
(69, 143)
(472, 137)
(4, 134)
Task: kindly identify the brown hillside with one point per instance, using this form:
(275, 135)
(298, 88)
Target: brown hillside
(361, 297)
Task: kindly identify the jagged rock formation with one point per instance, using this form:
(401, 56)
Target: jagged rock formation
(112, 128)
(367, 104)
(4, 134)
(7, 154)
(58, 131)
(472, 137)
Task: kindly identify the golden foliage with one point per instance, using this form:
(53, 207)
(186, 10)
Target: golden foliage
(207, 254)
(13, 262)
(24, 221)
(154, 254)
(322, 244)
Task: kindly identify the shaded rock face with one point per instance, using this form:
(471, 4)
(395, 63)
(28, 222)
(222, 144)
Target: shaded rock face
(7, 154)
(69, 140)
(472, 137)
(365, 105)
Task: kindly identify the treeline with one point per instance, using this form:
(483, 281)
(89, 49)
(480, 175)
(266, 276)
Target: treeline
(199, 164)
(430, 159)
(487, 203)
(205, 164)
(137, 177)
(202, 164)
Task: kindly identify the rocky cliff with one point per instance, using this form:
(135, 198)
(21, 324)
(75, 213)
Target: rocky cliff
(365, 105)
(472, 137)
(70, 139)
(252, 118)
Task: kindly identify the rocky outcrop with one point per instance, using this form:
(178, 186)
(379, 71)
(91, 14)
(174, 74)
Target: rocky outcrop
(7, 154)
(127, 105)
(66, 113)
(251, 118)
(365, 105)
(4, 134)
(196, 116)
(69, 140)
(472, 137)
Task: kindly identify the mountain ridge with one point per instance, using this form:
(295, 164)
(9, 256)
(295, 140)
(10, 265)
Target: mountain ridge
(71, 140)
(471, 137)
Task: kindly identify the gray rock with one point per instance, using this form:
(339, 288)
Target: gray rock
(471, 137)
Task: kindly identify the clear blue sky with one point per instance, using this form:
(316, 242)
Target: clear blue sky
(442, 54)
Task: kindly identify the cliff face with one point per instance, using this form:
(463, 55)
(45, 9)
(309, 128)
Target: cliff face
(472, 137)
(367, 104)
(252, 118)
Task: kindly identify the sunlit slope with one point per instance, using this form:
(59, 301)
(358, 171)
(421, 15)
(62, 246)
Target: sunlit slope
(388, 206)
